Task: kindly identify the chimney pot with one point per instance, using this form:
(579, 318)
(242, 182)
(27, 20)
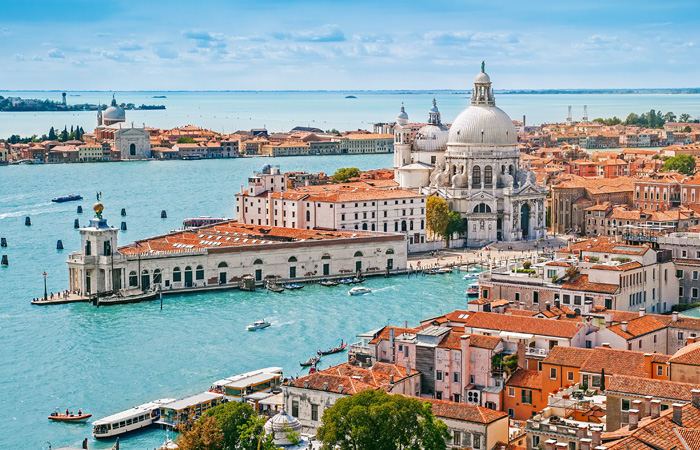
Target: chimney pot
(633, 419)
(595, 437)
(306, 384)
(678, 413)
(549, 306)
(325, 386)
(549, 444)
(582, 431)
(561, 446)
(601, 447)
(675, 316)
(642, 312)
(655, 408)
(391, 379)
(624, 327)
(586, 443)
(340, 388)
(605, 345)
(696, 398)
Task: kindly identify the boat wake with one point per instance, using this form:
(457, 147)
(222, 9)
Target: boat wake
(31, 212)
(386, 288)
(283, 323)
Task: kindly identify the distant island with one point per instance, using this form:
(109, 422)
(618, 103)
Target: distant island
(350, 96)
(17, 104)
(159, 96)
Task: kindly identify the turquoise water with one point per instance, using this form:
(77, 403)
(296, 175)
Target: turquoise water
(281, 111)
(108, 359)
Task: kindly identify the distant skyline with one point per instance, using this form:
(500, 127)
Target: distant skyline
(337, 45)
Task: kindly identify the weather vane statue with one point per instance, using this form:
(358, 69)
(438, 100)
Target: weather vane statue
(98, 208)
(483, 66)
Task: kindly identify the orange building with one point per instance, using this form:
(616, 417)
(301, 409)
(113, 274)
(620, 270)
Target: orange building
(523, 397)
(561, 366)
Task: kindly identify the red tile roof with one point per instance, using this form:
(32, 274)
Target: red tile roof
(638, 327)
(656, 434)
(568, 356)
(487, 342)
(522, 324)
(353, 379)
(398, 331)
(581, 283)
(614, 361)
(466, 412)
(689, 355)
(530, 379)
(671, 390)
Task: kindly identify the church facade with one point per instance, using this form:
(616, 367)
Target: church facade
(132, 142)
(475, 167)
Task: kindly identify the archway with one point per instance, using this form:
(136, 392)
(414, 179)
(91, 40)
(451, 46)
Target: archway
(145, 280)
(525, 220)
(132, 150)
(222, 272)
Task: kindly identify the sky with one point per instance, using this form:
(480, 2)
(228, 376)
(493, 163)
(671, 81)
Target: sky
(346, 44)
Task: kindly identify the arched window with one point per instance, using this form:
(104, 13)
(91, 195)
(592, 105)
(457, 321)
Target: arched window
(199, 274)
(223, 264)
(358, 254)
(157, 276)
(386, 227)
(488, 175)
(177, 275)
(422, 224)
(390, 252)
(476, 176)
(292, 259)
(364, 226)
(396, 226)
(133, 279)
(258, 261)
(132, 149)
(403, 225)
(510, 169)
(410, 225)
(482, 208)
(356, 226)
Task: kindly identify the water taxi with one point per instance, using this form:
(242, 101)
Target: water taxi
(67, 198)
(258, 325)
(132, 419)
(359, 290)
(238, 387)
(69, 417)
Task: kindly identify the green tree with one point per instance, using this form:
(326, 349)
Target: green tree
(684, 164)
(685, 117)
(185, 140)
(241, 427)
(455, 224)
(205, 434)
(375, 420)
(632, 119)
(52, 134)
(437, 215)
(669, 117)
(345, 173)
(63, 137)
(687, 129)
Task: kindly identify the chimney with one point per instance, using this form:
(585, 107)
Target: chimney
(696, 398)
(601, 447)
(675, 316)
(637, 404)
(561, 446)
(678, 413)
(549, 444)
(624, 327)
(642, 311)
(582, 431)
(340, 388)
(325, 386)
(548, 306)
(595, 437)
(306, 384)
(391, 379)
(633, 418)
(647, 405)
(655, 408)
(391, 336)
(585, 444)
(557, 303)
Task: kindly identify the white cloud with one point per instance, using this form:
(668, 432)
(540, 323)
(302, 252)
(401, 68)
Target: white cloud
(56, 53)
(326, 33)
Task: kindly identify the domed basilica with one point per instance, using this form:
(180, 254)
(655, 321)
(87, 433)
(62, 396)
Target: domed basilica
(132, 142)
(475, 167)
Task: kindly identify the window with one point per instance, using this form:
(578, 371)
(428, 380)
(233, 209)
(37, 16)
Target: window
(526, 397)
(314, 412)
(569, 376)
(680, 335)
(625, 404)
(517, 296)
(177, 275)
(679, 274)
(535, 438)
(295, 408)
(455, 377)
(133, 279)
(659, 370)
(596, 381)
(552, 373)
(511, 392)
(438, 375)
(694, 292)
(199, 273)
(477, 441)
(457, 438)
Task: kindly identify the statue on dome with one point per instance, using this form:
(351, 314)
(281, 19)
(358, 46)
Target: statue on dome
(483, 66)
(435, 176)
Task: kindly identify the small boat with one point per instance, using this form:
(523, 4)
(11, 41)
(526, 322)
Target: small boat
(310, 362)
(473, 290)
(345, 281)
(445, 270)
(274, 287)
(292, 286)
(431, 272)
(328, 283)
(258, 325)
(359, 290)
(69, 417)
(67, 198)
(330, 351)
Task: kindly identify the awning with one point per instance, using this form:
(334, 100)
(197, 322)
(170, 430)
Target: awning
(514, 335)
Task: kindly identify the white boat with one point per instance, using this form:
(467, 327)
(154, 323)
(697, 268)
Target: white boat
(132, 419)
(359, 290)
(258, 325)
(473, 290)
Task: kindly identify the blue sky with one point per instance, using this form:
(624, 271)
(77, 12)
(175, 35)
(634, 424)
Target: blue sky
(344, 44)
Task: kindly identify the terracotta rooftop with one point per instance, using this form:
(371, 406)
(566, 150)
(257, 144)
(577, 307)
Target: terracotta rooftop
(353, 379)
(530, 379)
(398, 331)
(522, 324)
(464, 411)
(617, 267)
(670, 390)
(581, 283)
(614, 361)
(638, 327)
(567, 356)
(689, 355)
(487, 342)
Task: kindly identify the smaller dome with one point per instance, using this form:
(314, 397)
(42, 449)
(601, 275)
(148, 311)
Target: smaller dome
(402, 118)
(434, 109)
(431, 138)
(482, 78)
(280, 425)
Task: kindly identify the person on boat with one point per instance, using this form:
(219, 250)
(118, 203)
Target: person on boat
(80, 412)
(66, 411)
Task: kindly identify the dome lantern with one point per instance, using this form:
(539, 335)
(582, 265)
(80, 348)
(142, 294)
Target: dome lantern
(482, 94)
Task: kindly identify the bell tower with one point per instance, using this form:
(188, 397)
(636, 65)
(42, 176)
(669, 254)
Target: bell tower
(95, 260)
(402, 143)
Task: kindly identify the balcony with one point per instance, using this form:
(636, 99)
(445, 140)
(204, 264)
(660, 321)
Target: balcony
(359, 348)
(536, 352)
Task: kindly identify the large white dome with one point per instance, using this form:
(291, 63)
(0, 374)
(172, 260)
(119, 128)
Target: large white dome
(114, 113)
(431, 138)
(487, 125)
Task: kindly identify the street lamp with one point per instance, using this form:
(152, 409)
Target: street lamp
(45, 294)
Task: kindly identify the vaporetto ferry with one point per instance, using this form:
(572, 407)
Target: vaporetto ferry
(132, 419)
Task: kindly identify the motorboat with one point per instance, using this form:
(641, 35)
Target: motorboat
(444, 270)
(258, 325)
(69, 417)
(310, 362)
(328, 283)
(67, 198)
(292, 286)
(473, 290)
(274, 287)
(330, 351)
(359, 290)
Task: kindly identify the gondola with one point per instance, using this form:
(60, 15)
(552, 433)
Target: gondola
(274, 287)
(330, 351)
(310, 362)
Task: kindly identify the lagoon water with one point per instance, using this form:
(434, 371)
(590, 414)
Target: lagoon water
(281, 111)
(108, 359)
